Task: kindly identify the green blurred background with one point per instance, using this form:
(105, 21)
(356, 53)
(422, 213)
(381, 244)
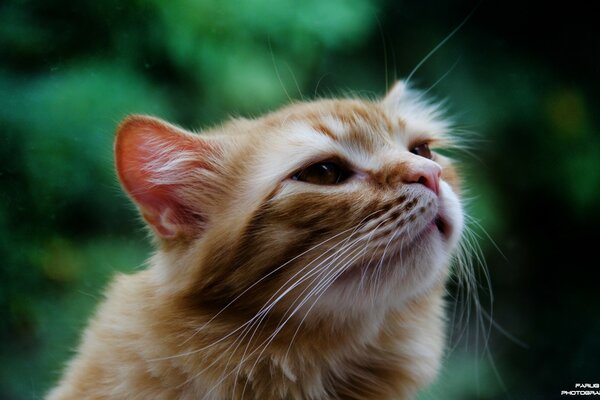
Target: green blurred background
(524, 77)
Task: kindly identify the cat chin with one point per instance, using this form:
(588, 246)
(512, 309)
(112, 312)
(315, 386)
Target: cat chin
(393, 282)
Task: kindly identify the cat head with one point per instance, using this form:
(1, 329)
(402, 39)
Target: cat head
(325, 204)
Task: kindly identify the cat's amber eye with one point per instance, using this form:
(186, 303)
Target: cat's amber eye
(323, 173)
(422, 150)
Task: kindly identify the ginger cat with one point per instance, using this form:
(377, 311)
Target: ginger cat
(301, 255)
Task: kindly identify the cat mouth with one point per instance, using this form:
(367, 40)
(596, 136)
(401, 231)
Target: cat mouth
(442, 225)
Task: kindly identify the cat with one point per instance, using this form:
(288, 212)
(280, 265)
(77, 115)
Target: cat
(300, 255)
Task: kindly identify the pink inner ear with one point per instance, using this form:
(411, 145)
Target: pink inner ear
(154, 161)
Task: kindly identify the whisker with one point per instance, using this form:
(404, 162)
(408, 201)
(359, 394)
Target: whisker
(256, 321)
(436, 48)
(330, 276)
(277, 71)
(257, 324)
(244, 292)
(295, 80)
(424, 93)
(364, 250)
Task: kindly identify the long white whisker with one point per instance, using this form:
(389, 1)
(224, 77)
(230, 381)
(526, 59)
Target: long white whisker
(330, 275)
(315, 270)
(263, 314)
(257, 320)
(241, 294)
(379, 266)
(436, 48)
(259, 317)
(364, 250)
(322, 266)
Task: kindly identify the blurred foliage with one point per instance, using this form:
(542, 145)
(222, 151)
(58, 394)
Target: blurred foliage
(69, 72)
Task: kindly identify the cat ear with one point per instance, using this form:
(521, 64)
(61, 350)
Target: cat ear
(165, 170)
(396, 93)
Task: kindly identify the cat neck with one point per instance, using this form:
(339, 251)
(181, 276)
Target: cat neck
(270, 356)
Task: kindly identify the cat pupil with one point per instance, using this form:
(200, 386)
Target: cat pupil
(323, 173)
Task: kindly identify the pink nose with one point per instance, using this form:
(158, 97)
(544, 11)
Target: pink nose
(427, 174)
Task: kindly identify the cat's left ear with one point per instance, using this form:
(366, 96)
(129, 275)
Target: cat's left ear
(396, 93)
(169, 173)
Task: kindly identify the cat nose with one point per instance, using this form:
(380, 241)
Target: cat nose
(424, 173)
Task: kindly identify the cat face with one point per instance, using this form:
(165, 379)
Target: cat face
(324, 206)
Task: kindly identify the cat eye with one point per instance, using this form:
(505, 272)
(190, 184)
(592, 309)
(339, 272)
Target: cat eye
(422, 150)
(323, 173)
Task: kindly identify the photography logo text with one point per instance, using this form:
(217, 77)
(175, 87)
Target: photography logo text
(583, 389)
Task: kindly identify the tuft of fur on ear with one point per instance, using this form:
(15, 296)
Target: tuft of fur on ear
(167, 172)
(419, 114)
(394, 96)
